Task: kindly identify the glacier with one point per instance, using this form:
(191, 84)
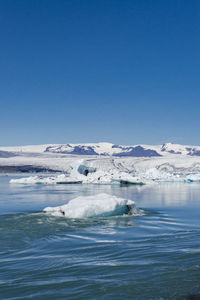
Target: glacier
(103, 163)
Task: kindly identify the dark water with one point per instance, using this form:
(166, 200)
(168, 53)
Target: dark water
(155, 256)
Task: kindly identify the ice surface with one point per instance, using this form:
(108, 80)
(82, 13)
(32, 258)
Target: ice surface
(193, 178)
(161, 176)
(98, 177)
(102, 169)
(100, 205)
(111, 176)
(59, 179)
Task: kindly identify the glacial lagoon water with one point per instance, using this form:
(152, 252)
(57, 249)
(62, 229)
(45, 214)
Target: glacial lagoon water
(153, 256)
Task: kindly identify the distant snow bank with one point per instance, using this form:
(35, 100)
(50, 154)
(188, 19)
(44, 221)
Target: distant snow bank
(100, 205)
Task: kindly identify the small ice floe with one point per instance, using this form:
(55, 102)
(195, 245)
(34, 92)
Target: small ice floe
(156, 175)
(193, 178)
(162, 176)
(126, 179)
(59, 179)
(101, 205)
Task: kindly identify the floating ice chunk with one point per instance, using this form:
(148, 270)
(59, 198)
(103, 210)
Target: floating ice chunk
(161, 176)
(26, 180)
(193, 178)
(59, 179)
(125, 178)
(101, 205)
(85, 172)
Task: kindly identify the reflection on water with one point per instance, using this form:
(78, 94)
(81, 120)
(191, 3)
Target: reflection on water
(154, 256)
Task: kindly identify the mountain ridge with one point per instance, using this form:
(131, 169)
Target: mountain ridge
(105, 149)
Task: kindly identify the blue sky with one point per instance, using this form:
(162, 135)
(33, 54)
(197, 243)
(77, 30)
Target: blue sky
(127, 72)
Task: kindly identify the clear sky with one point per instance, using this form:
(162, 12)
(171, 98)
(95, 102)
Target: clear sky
(124, 71)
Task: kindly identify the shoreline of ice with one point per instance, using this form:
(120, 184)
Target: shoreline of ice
(136, 171)
(112, 176)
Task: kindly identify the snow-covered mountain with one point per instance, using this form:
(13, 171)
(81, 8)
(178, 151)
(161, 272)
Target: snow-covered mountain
(6, 154)
(181, 149)
(104, 149)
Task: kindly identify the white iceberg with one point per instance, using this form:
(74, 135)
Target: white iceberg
(193, 178)
(162, 176)
(59, 179)
(125, 178)
(97, 177)
(100, 205)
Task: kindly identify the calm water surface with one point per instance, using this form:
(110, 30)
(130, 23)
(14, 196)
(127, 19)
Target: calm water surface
(155, 256)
